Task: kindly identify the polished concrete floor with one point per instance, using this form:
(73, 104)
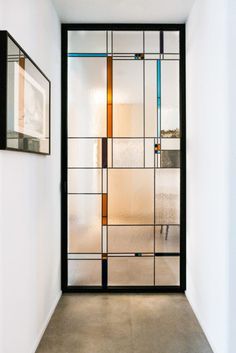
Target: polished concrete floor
(123, 323)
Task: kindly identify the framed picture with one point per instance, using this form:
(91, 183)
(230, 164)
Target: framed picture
(24, 100)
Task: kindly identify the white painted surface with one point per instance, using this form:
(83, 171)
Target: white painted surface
(139, 11)
(30, 195)
(211, 170)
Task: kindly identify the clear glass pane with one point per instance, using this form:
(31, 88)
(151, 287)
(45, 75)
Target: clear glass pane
(130, 239)
(171, 42)
(167, 239)
(84, 223)
(167, 196)
(167, 271)
(127, 42)
(170, 159)
(84, 180)
(170, 99)
(128, 152)
(84, 273)
(87, 41)
(130, 271)
(84, 153)
(150, 98)
(130, 196)
(149, 153)
(127, 98)
(152, 42)
(170, 144)
(87, 97)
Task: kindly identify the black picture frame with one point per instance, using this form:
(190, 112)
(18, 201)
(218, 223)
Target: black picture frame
(20, 140)
(64, 149)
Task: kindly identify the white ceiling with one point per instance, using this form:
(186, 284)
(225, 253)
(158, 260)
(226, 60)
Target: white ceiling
(126, 11)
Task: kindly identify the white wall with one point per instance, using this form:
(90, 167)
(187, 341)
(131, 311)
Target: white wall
(30, 195)
(211, 170)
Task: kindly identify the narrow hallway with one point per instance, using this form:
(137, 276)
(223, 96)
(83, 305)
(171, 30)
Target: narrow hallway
(128, 323)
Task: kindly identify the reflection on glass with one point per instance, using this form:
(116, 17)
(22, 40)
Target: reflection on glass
(130, 239)
(87, 97)
(167, 271)
(128, 152)
(131, 199)
(84, 223)
(127, 98)
(84, 153)
(130, 271)
(167, 196)
(84, 272)
(170, 99)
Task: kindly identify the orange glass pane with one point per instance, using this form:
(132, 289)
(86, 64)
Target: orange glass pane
(109, 97)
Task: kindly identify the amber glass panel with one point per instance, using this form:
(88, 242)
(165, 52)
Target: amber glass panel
(109, 97)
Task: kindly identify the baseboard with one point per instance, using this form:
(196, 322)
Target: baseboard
(37, 341)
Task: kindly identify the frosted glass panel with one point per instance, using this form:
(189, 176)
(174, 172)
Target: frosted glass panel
(84, 153)
(152, 42)
(171, 42)
(84, 272)
(130, 198)
(170, 99)
(151, 98)
(130, 239)
(167, 239)
(128, 152)
(130, 271)
(127, 98)
(167, 271)
(84, 223)
(84, 180)
(127, 42)
(149, 153)
(87, 41)
(170, 144)
(170, 159)
(168, 196)
(87, 95)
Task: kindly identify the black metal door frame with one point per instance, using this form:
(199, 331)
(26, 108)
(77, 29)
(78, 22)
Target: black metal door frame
(64, 210)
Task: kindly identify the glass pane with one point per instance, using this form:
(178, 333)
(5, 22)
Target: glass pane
(130, 239)
(128, 42)
(170, 144)
(167, 239)
(167, 271)
(128, 152)
(168, 196)
(84, 272)
(150, 98)
(84, 180)
(84, 153)
(170, 99)
(127, 98)
(171, 42)
(152, 42)
(130, 271)
(87, 41)
(87, 97)
(130, 196)
(170, 159)
(84, 223)
(149, 153)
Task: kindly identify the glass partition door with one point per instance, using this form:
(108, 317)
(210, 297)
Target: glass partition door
(123, 158)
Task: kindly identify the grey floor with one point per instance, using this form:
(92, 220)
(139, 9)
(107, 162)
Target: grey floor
(123, 323)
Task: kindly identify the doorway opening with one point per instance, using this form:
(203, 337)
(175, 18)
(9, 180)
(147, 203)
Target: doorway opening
(123, 158)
